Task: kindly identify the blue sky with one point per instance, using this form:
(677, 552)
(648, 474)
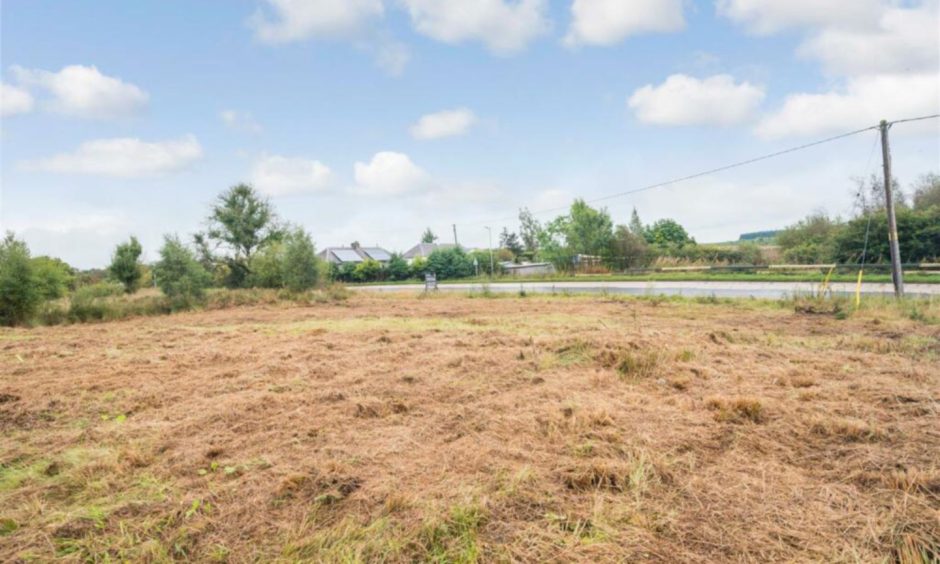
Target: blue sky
(369, 120)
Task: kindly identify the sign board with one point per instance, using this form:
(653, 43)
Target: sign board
(430, 281)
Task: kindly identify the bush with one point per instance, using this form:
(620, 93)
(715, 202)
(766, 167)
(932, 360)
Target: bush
(450, 263)
(20, 293)
(301, 268)
(53, 277)
(397, 268)
(419, 266)
(100, 290)
(125, 265)
(179, 275)
(367, 271)
(810, 240)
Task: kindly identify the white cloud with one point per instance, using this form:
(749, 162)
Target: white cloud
(764, 17)
(240, 121)
(275, 175)
(389, 174)
(864, 101)
(125, 157)
(504, 27)
(605, 22)
(84, 92)
(446, 123)
(904, 40)
(295, 20)
(14, 100)
(684, 100)
(391, 56)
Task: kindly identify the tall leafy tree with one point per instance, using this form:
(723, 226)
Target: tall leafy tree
(636, 226)
(125, 265)
(588, 231)
(510, 241)
(927, 191)
(20, 294)
(241, 223)
(668, 232)
(529, 229)
(428, 236)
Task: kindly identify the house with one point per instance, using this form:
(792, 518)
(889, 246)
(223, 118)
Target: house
(354, 255)
(423, 250)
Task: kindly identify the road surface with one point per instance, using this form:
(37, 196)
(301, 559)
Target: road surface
(771, 290)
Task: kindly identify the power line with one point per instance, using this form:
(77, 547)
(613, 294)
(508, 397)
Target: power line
(715, 170)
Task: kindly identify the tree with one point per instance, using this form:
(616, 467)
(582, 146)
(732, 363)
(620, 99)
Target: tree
(636, 226)
(918, 237)
(870, 194)
(179, 275)
(588, 231)
(428, 236)
(628, 249)
(368, 270)
(19, 292)
(397, 267)
(668, 232)
(510, 241)
(54, 277)
(241, 223)
(125, 265)
(450, 263)
(529, 229)
(810, 240)
(301, 268)
(927, 191)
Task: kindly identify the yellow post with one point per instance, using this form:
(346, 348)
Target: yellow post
(858, 290)
(825, 285)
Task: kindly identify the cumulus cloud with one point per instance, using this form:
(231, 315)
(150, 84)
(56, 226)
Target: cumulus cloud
(389, 174)
(240, 121)
(864, 101)
(85, 92)
(124, 157)
(446, 123)
(275, 175)
(295, 20)
(14, 100)
(505, 27)
(605, 22)
(904, 40)
(685, 100)
(763, 17)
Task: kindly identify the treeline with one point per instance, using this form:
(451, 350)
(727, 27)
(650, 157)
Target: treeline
(821, 239)
(245, 246)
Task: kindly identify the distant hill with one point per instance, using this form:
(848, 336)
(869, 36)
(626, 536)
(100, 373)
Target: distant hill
(759, 236)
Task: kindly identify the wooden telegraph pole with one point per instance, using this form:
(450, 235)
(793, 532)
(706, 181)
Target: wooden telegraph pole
(897, 275)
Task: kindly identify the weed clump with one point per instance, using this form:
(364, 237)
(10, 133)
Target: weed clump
(630, 364)
(737, 410)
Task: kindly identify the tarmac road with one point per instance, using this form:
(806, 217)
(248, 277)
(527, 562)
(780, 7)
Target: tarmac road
(771, 290)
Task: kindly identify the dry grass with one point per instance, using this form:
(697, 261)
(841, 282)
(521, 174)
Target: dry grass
(394, 428)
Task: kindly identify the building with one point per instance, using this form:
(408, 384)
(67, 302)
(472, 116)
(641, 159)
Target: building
(354, 255)
(529, 269)
(423, 250)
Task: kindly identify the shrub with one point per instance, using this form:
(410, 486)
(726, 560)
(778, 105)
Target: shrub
(125, 265)
(20, 294)
(301, 267)
(179, 275)
(267, 267)
(397, 268)
(53, 277)
(418, 267)
(367, 271)
(100, 290)
(450, 263)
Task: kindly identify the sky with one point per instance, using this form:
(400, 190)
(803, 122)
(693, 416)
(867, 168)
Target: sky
(370, 120)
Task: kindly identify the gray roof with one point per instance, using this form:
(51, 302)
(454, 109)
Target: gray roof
(376, 253)
(346, 255)
(425, 249)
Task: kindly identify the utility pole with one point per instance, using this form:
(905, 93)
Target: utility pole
(456, 244)
(897, 276)
(492, 269)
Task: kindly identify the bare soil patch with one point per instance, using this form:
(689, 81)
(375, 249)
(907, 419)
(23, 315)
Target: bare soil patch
(454, 429)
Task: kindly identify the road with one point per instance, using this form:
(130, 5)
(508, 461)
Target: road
(771, 290)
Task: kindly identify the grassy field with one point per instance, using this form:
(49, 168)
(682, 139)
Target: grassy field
(458, 428)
